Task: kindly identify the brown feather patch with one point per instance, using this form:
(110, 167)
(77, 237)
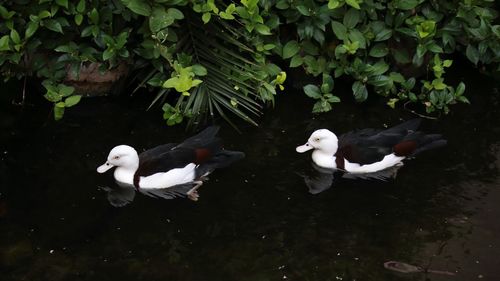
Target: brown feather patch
(202, 155)
(405, 148)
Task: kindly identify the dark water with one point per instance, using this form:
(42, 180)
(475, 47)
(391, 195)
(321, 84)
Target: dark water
(255, 220)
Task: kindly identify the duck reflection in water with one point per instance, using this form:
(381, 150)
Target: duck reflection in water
(319, 179)
(122, 194)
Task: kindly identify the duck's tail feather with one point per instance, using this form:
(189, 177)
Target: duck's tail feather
(428, 142)
(222, 159)
(410, 125)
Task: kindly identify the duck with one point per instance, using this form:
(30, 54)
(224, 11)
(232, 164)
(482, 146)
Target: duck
(369, 151)
(171, 170)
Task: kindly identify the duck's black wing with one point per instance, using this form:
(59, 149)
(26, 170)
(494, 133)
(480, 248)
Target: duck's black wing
(370, 145)
(197, 149)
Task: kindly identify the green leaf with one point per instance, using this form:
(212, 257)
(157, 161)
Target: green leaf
(199, 70)
(463, 99)
(383, 35)
(53, 25)
(460, 89)
(296, 61)
(206, 17)
(351, 18)
(472, 54)
(159, 19)
(290, 49)
(31, 28)
(406, 4)
(392, 103)
(63, 3)
(94, 16)
(80, 8)
(73, 100)
(59, 110)
(359, 90)
(4, 43)
(340, 30)
(312, 91)
(356, 36)
(263, 29)
(140, 7)
(107, 54)
(353, 3)
(321, 106)
(379, 50)
(15, 36)
(175, 13)
(333, 4)
(78, 19)
(303, 10)
(65, 90)
(379, 81)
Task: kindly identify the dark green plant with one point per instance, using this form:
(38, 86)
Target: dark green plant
(208, 57)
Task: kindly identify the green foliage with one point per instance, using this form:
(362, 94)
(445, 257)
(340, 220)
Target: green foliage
(322, 94)
(213, 57)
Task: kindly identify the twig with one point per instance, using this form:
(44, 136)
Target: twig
(418, 114)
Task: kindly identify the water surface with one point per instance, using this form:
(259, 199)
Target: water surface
(255, 220)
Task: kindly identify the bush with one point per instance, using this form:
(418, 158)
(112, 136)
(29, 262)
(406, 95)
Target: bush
(214, 57)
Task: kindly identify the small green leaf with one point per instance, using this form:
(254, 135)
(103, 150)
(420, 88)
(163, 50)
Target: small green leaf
(351, 18)
(472, 54)
(296, 61)
(263, 29)
(65, 90)
(303, 10)
(107, 54)
(312, 91)
(4, 43)
(206, 17)
(59, 110)
(53, 25)
(460, 89)
(139, 7)
(15, 36)
(31, 28)
(353, 3)
(360, 92)
(383, 35)
(63, 3)
(199, 70)
(78, 19)
(392, 102)
(333, 4)
(73, 100)
(340, 30)
(406, 4)
(379, 50)
(290, 49)
(80, 8)
(175, 13)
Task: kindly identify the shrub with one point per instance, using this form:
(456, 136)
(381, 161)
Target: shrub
(208, 57)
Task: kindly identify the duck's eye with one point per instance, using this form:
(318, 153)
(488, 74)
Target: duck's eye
(316, 139)
(116, 157)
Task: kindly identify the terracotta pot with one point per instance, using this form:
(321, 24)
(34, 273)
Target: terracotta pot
(90, 80)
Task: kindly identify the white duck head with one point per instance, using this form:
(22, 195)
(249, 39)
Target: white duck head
(321, 140)
(121, 156)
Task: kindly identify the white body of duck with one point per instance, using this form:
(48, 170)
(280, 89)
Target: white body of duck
(368, 150)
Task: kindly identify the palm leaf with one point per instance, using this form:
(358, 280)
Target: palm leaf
(234, 82)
